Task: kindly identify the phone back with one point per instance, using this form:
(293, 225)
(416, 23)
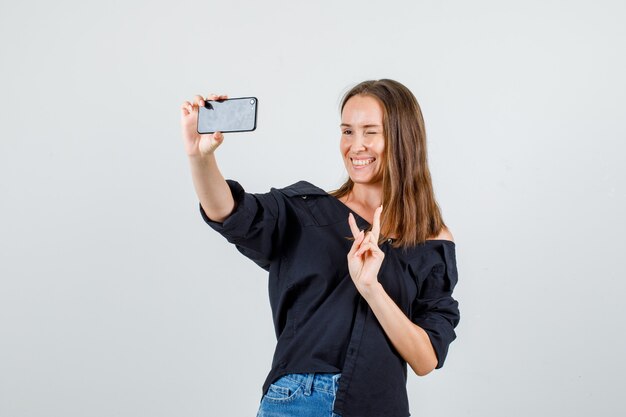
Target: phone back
(232, 115)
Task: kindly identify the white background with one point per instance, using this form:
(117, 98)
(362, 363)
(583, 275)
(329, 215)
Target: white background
(117, 300)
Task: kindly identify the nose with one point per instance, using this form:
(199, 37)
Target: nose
(358, 143)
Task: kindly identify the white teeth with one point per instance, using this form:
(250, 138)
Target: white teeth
(362, 162)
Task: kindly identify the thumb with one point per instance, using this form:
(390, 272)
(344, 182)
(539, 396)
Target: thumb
(209, 143)
(218, 137)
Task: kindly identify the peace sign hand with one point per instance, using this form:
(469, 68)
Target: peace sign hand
(365, 257)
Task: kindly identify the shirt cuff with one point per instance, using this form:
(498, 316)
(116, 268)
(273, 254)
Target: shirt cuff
(234, 221)
(440, 332)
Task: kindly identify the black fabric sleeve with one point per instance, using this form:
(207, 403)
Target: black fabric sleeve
(434, 309)
(253, 226)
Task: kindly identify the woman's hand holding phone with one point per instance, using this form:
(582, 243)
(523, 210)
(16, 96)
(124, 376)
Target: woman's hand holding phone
(197, 145)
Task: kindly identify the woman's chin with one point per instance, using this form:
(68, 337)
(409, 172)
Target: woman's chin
(365, 180)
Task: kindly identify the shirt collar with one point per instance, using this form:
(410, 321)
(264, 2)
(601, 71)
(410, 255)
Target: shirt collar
(302, 188)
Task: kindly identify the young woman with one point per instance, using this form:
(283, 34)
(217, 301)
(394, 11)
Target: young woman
(361, 279)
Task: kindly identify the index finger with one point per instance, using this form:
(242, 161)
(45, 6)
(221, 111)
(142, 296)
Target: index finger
(198, 100)
(353, 227)
(376, 225)
(217, 97)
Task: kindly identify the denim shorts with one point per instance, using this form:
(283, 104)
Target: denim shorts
(301, 395)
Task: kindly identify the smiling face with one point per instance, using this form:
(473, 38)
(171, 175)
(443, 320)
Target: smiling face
(362, 140)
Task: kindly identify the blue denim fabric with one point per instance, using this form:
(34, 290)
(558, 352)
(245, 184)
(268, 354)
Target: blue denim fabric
(301, 395)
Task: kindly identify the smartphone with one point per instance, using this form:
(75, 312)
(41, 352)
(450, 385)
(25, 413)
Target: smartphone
(231, 115)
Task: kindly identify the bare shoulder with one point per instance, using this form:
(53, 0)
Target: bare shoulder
(445, 234)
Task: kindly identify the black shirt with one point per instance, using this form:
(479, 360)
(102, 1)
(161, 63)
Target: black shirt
(300, 234)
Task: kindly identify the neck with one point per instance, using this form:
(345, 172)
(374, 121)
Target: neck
(369, 196)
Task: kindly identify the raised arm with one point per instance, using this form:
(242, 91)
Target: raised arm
(212, 190)
(438, 315)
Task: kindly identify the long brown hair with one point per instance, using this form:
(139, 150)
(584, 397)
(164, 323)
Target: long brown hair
(410, 211)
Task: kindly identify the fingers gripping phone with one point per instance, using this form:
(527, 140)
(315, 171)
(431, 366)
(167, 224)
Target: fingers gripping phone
(231, 115)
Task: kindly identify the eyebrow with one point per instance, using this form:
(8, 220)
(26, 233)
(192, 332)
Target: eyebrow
(367, 125)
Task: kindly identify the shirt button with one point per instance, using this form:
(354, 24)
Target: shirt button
(304, 197)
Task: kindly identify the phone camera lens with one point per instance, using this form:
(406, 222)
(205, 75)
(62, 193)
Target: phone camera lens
(252, 101)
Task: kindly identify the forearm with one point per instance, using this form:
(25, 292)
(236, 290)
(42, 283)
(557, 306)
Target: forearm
(211, 188)
(410, 340)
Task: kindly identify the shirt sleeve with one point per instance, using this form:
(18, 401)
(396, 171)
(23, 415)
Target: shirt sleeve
(434, 309)
(253, 226)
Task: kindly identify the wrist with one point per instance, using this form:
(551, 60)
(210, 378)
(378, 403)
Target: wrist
(201, 159)
(372, 291)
